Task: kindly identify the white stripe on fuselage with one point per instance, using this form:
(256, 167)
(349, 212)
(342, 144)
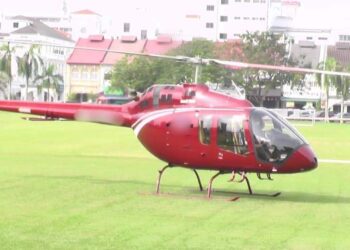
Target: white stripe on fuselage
(149, 117)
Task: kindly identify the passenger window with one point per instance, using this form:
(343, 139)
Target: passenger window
(169, 98)
(204, 129)
(163, 98)
(231, 134)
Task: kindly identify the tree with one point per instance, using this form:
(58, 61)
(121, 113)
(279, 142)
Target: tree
(342, 85)
(143, 72)
(29, 65)
(327, 80)
(49, 79)
(6, 64)
(264, 48)
(3, 82)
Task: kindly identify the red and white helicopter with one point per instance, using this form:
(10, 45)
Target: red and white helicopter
(194, 127)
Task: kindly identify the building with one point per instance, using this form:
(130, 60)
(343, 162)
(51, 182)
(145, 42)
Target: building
(85, 23)
(33, 31)
(126, 43)
(84, 74)
(87, 69)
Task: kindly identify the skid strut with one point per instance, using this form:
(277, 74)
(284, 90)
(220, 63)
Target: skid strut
(211, 183)
(232, 179)
(169, 166)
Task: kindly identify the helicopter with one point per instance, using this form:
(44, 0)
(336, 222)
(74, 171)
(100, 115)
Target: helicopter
(198, 128)
(191, 132)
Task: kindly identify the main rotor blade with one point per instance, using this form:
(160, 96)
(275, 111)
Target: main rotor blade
(200, 61)
(240, 65)
(176, 58)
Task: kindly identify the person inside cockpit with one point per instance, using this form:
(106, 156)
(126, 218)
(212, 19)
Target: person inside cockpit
(264, 147)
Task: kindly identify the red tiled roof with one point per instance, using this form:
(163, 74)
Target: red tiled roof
(128, 44)
(341, 52)
(86, 12)
(161, 46)
(81, 56)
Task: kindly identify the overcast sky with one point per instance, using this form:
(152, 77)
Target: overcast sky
(325, 13)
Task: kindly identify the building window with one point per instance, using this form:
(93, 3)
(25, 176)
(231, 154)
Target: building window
(223, 18)
(246, 18)
(223, 36)
(309, 38)
(210, 7)
(262, 19)
(238, 1)
(323, 38)
(344, 37)
(126, 27)
(85, 74)
(58, 52)
(224, 1)
(75, 73)
(143, 34)
(255, 1)
(237, 18)
(15, 25)
(94, 74)
(247, 1)
(263, 1)
(209, 25)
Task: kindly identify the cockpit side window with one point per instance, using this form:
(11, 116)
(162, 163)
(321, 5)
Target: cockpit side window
(231, 134)
(204, 129)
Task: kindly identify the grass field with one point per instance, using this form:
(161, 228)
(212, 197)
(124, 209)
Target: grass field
(71, 185)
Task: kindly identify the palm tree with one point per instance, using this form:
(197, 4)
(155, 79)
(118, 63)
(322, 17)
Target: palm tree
(327, 80)
(29, 65)
(3, 81)
(343, 88)
(6, 64)
(49, 79)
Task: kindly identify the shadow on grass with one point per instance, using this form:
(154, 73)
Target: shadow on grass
(289, 196)
(193, 192)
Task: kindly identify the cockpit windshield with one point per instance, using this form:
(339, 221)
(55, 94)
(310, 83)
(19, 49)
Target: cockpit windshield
(274, 139)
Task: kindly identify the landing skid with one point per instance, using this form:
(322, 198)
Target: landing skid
(243, 178)
(273, 195)
(38, 119)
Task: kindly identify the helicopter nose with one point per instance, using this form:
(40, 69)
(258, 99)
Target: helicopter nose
(303, 159)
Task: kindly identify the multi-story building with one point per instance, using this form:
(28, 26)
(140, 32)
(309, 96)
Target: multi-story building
(54, 52)
(87, 69)
(210, 19)
(228, 19)
(85, 23)
(84, 74)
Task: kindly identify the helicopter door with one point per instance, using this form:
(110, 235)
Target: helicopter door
(231, 135)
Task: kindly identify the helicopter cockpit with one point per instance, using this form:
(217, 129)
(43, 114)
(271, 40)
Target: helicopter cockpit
(274, 139)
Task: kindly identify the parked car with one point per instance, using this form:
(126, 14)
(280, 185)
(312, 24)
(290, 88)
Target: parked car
(322, 114)
(337, 117)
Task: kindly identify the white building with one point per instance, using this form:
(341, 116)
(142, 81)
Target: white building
(210, 19)
(227, 19)
(54, 54)
(85, 23)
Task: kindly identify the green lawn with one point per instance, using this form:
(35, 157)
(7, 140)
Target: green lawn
(71, 185)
